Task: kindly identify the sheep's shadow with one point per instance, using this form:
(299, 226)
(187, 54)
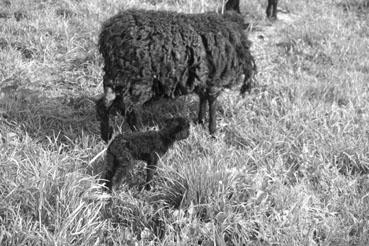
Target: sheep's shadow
(70, 119)
(62, 119)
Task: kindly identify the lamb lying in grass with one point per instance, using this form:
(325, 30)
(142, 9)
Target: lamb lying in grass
(148, 146)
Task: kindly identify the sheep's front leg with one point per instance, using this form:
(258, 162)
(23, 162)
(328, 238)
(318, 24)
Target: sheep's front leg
(103, 115)
(103, 106)
(212, 100)
(150, 169)
(202, 109)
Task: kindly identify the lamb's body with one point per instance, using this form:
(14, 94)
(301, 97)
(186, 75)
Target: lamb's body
(154, 54)
(145, 146)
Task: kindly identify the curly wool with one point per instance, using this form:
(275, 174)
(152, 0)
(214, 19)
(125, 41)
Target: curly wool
(150, 54)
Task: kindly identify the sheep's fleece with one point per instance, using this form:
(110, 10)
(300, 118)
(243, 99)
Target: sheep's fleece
(151, 54)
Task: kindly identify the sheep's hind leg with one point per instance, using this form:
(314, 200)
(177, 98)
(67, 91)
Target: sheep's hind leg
(212, 100)
(202, 109)
(271, 10)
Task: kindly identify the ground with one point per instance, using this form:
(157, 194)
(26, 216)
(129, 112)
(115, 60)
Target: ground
(288, 166)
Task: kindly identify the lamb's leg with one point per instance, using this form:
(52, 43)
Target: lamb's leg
(111, 166)
(202, 109)
(124, 164)
(212, 100)
(150, 169)
(213, 94)
(133, 120)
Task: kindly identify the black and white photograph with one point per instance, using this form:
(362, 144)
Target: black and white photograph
(184, 122)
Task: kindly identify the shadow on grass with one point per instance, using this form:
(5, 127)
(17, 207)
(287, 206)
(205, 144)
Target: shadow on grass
(359, 6)
(41, 117)
(70, 120)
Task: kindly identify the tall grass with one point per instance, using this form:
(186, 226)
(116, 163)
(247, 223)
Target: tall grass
(289, 164)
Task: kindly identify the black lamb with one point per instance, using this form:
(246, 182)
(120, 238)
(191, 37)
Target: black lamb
(146, 146)
(160, 54)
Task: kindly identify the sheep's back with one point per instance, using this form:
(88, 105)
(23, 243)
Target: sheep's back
(152, 54)
(227, 46)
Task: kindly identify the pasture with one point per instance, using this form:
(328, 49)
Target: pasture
(289, 164)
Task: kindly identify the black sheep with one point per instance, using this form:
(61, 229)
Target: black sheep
(146, 146)
(160, 54)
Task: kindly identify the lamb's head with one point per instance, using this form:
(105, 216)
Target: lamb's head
(179, 126)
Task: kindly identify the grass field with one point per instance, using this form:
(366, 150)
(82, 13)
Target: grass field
(289, 164)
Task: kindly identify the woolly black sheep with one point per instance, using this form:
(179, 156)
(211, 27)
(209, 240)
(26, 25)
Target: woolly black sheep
(271, 10)
(160, 54)
(146, 146)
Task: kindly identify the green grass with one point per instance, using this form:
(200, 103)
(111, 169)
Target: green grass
(289, 166)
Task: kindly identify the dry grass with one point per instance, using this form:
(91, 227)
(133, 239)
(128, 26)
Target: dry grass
(289, 165)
